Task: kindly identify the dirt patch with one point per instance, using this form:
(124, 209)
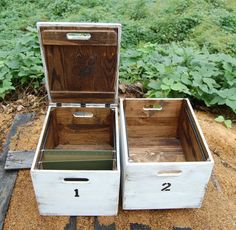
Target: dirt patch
(27, 136)
(26, 104)
(23, 211)
(217, 212)
(222, 141)
(5, 124)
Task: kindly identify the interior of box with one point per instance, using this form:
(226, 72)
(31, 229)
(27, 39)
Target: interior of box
(79, 138)
(162, 131)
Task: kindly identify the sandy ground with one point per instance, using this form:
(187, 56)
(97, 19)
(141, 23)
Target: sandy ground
(218, 210)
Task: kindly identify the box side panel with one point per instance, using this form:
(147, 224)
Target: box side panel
(95, 194)
(123, 148)
(46, 120)
(163, 186)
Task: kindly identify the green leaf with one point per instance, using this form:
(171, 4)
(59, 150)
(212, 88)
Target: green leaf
(154, 85)
(209, 81)
(231, 104)
(228, 123)
(168, 81)
(164, 87)
(179, 87)
(13, 64)
(220, 119)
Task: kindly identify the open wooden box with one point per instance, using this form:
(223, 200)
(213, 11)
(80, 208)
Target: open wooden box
(76, 170)
(79, 138)
(166, 162)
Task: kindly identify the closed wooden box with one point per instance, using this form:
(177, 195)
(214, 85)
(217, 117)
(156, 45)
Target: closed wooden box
(76, 169)
(166, 162)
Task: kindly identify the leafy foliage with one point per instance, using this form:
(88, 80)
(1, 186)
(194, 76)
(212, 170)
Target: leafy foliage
(227, 122)
(177, 71)
(195, 55)
(22, 65)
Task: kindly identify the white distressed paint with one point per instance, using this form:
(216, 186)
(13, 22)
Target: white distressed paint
(99, 196)
(142, 185)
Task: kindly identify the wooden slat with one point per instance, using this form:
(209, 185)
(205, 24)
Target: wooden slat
(86, 147)
(134, 108)
(88, 97)
(153, 141)
(78, 134)
(98, 37)
(101, 116)
(72, 223)
(19, 160)
(156, 154)
(134, 121)
(152, 131)
(188, 137)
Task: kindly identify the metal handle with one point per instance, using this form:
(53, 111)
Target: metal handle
(153, 108)
(78, 36)
(83, 114)
(169, 173)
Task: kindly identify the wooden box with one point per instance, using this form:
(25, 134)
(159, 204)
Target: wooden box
(166, 162)
(76, 169)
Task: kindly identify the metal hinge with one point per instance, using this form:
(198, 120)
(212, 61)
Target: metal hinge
(83, 105)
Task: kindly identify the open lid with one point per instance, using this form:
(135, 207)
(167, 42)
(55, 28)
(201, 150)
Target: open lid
(81, 61)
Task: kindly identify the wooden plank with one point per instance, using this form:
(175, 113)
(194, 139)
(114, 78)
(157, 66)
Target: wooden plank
(170, 108)
(97, 37)
(151, 131)
(136, 226)
(152, 141)
(188, 137)
(171, 121)
(72, 223)
(157, 154)
(8, 178)
(19, 160)
(181, 228)
(92, 97)
(100, 116)
(86, 147)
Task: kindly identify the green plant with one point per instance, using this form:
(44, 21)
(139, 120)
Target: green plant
(22, 65)
(227, 122)
(176, 71)
(201, 23)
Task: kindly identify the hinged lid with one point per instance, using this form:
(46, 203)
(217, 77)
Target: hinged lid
(81, 61)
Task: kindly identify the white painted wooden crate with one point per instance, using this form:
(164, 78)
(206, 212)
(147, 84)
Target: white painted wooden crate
(79, 192)
(165, 184)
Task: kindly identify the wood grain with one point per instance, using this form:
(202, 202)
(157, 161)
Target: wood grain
(65, 129)
(169, 108)
(84, 67)
(151, 132)
(188, 137)
(98, 37)
(85, 147)
(19, 160)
